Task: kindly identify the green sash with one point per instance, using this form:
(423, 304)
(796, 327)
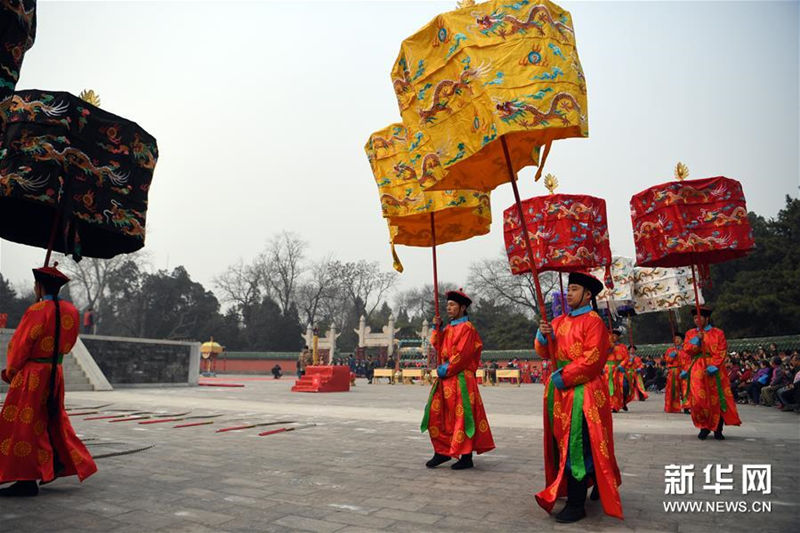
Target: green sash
(676, 384)
(723, 404)
(611, 367)
(48, 359)
(469, 419)
(426, 417)
(576, 425)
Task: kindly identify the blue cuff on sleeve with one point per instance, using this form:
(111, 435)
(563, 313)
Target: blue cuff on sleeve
(541, 338)
(558, 381)
(695, 341)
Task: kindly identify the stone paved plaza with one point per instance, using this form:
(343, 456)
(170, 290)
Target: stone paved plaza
(361, 467)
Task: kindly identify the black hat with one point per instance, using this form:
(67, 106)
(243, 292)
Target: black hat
(704, 311)
(588, 281)
(50, 277)
(458, 297)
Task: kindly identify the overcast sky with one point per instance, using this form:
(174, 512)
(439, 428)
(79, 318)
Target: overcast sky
(262, 109)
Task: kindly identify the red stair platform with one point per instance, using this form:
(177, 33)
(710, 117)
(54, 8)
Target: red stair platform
(324, 379)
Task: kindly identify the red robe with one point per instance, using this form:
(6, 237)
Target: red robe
(685, 361)
(632, 364)
(546, 371)
(673, 393)
(27, 434)
(453, 429)
(613, 376)
(580, 351)
(709, 396)
(526, 372)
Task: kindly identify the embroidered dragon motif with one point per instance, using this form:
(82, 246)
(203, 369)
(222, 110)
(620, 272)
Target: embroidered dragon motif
(42, 150)
(19, 105)
(719, 218)
(503, 25)
(29, 185)
(448, 88)
(515, 110)
(694, 242)
(576, 210)
(125, 219)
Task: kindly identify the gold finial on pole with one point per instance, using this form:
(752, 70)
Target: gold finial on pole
(465, 3)
(88, 95)
(551, 183)
(681, 171)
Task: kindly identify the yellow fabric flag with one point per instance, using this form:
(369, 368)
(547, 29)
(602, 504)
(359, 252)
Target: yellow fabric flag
(457, 214)
(500, 68)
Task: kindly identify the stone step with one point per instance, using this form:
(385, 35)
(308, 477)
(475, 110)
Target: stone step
(69, 387)
(74, 377)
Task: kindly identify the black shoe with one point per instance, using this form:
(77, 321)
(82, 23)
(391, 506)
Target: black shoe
(463, 463)
(718, 432)
(625, 408)
(615, 410)
(571, 514)
(687, 412)
(20, 489)
(595, 495)
(576, 500)
(437, 459)
(703, 435)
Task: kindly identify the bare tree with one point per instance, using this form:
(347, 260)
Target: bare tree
(280, 266)
(317, 292)
(240, 286)
(418, 302)
(363, 284)
(91, 278)
(492, 279)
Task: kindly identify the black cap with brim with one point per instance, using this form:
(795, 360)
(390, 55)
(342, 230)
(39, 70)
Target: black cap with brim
(458, 297)
(704, 311)
(50, 276)
(594, 285)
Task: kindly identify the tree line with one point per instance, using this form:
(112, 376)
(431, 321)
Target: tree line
(266, 303)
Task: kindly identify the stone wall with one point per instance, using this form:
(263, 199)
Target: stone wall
(136, 362)
(128, 361)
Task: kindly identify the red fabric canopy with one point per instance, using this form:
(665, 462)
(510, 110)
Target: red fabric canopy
(689, 222)
(569, 232)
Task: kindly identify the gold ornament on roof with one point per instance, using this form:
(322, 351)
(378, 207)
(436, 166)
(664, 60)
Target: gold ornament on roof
(551, 183)
(681, 171)
(89, 96)
(465, 3)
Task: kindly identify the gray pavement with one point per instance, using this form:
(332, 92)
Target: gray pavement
(361, 468)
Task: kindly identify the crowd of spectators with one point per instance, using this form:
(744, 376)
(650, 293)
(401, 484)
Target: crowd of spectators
(767, 377)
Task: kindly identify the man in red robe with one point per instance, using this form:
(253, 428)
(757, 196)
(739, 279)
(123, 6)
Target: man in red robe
(632, 364)
(37, 441)
(454, 417)
(710, 396)
(673, 392)
(613, 374)
(578, 432)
